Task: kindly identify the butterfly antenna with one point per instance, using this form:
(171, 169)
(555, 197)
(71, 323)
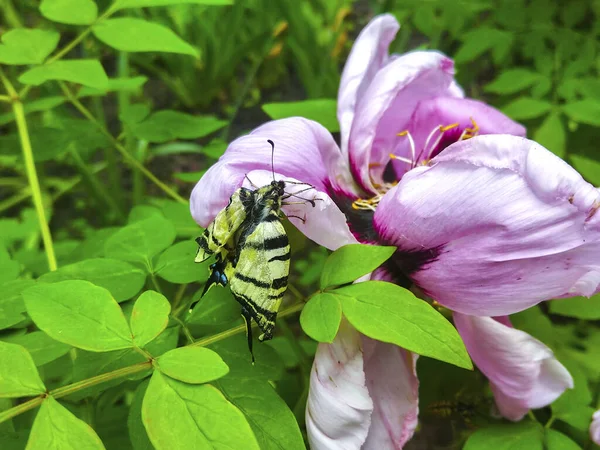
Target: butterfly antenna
(272, 157)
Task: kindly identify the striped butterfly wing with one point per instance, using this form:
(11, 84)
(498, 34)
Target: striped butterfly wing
(261, 274)
(220, 232)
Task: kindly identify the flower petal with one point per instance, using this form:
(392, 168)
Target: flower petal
(495, 225)
(595, 428)
(466, 113)
(394, 387)
(369, 53)
(304, 150)
(387, 104)
(338, 410)
(523, 372)
(323, 223)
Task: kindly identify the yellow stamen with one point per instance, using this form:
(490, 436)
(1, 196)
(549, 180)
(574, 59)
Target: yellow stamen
(449, 127)
(366, 204)
(470, 132)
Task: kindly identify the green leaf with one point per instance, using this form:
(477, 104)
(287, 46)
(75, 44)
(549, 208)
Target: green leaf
(584, 111)
(524, 435)
(68, 134)
(136, 35)
(11, 302)
(133, 84)
(579, 418)
(577, 307)
(73, 12)
(141, 241)
(55, 427)
(555, 440)
(589, 168)
(9, 269)
(18, 375)
(90, 364)
(176, 264)
(193, 365)
(178, 415)
(389, 313)
(272, 421)
(537, 324)
(176, 148)
(572, 406)
(322, 110)
(41, 104)
(148, 3)
(88, 72)
(321, 317)
(122, 279)
(167, 125)
(480, 40)
(27, 46)
(80, 314)
(42, 348)
(134, 113)
(513, 80)
(137, 432)
(551, 134)
(149, 318)
(216, 308)
(179, 215)
(589, 87)
(527, 108)
(234, 351)
(351, 262)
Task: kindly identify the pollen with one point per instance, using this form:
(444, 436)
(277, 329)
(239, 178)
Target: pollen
(367, 204)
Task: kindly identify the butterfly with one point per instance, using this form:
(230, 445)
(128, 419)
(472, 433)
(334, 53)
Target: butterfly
(252, 253)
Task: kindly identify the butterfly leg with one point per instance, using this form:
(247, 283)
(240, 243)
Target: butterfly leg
(248, 320)
(217, 276)
(303, 220)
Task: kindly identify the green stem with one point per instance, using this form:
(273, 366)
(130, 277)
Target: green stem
(242, 328)
(75, 181)
(32, 177)
(15, 199)
(185, 329)
(10, 14)
(178, 296)
(246, 87)
(20, 409)
(74, 387)
(84, 384)
(125, 371)
(138, 180)
(71, 45)
(122, 150)
(155, 281)
(95, 185)
(122, 102)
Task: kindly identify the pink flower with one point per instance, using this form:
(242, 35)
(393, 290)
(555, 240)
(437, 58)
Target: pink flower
(595, 428)
(523, 372)
(486, 222)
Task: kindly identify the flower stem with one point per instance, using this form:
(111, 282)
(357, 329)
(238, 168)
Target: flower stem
(32, 177)
(95, 185)
(126, 371)
(122, 150)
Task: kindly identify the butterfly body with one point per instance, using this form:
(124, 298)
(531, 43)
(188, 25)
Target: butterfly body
(252, 253)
